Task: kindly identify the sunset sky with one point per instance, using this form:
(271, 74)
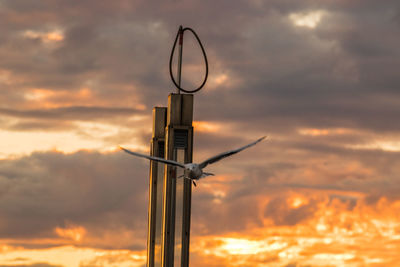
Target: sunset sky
(321, 78)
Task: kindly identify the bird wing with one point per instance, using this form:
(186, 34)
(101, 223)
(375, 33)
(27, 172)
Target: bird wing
(166, 161)
(227, 154)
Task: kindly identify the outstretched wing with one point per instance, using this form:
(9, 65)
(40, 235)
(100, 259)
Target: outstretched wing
(227, 154)
(166, 161)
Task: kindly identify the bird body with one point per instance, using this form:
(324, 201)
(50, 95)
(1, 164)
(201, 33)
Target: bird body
(194, 171)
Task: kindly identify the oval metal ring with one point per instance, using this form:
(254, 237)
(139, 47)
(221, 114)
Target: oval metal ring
(205, 60)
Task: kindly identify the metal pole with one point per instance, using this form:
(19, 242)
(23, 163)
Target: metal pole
(154, 237)
(177, 192)
(179, 74)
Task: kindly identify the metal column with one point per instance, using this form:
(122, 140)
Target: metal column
(171, 194)
(177, 191)
(154, 236)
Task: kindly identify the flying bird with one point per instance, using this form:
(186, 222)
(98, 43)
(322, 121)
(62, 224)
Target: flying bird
(194, 171)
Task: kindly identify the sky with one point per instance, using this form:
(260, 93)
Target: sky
(320, 78)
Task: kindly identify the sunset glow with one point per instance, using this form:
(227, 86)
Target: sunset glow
(204, 126)
(324, 132)
(334, 235)
(72, 257)
(46, 37)
(75, 233)
(78, 79)
(309, 20)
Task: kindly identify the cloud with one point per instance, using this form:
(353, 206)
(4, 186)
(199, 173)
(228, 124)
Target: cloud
(332, 73)
(32, 265)
(282, 214)
(91, 71)
(49, 191)
(81, 113)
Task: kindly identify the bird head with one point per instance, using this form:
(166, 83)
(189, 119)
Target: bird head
(190, 166)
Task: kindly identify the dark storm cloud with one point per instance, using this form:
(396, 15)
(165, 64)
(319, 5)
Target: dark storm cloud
(48, 190)
(343, 73)
(292, 76)
(103, 192)
(299, 76)
(61, 118)
(69, 113)
(110, 52)
(280, 212)
(233, 215)
(309, 163)
(275, 169)
(38, 126)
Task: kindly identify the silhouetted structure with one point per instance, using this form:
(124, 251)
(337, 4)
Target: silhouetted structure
(170, 198)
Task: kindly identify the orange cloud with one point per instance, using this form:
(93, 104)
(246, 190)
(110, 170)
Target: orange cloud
(205, 126)
(70, 256)
(74, 232)
(47, 98)
(338, 232)
(45, 37)
(324, 132)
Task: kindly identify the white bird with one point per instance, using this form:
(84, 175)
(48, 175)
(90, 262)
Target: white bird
(194, 171)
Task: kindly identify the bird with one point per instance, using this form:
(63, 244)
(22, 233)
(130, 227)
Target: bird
(194, 171)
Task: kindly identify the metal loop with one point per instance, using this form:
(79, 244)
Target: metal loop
(172, 55)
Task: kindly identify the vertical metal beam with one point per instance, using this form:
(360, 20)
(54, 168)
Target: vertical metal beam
(187, 203)
(180, 58)
(178, 138)
(186, 122)
(155, 194)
